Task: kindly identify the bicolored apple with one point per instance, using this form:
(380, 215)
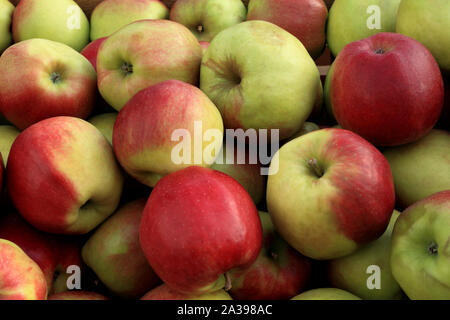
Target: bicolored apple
(333, 192)
(326, 294)
(77, 295)
(163, 292)
(7, 136)
(105, 124)
(6, 13)
(63, 177)
(90, 52)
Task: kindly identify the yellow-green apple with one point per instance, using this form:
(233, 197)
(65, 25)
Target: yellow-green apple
(207, 18)
(61, 21)
(428, 21)
(115, 254)
(420, 169)
(7, 136)
(145, 53)
(110, 16)
(63, 177)
(6, 12)
(353, 272)
(305, 19)
(105, 124)
(332, 193)
(387, 88)
(326, 294)
(21, 278)
(42, 79)
(259, 81)
(197, 226)
(353, 20)
(90, 52)
(163, 292)
(279, 273)
(148, 130)
(77, 295)
(420, 258)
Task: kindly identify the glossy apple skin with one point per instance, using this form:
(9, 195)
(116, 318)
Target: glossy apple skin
(175, 54)
(90, 52)
(115, 254)
(326, 294)
(350, 272)
(420, 260)
(389, 98)
(197, 225)
(6, 12)
(305, 19)
(163, 292)
(349, 205)
(22, 279)
(420, 169)
(63, 177)
(49, 19)
(29, 95)
(142, 135)
(77, 295)
(279, 273)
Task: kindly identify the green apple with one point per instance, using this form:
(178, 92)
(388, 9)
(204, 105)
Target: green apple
(112, 15)
(7, 136)
(428, 21)
(105, 124)
(353, 272)
(352, 20)
(420, 168)
(326, 294)
(206, 18)
(61, 21)
(6, 12)
(420, 254)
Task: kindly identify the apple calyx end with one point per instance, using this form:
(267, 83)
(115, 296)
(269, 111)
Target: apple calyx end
(55, 77)
(433, 248)
(127, 68)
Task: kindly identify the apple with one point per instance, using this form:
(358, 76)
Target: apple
(110, 16)
(259, 81)
(115, 254)
(77, 295)
(41, 79)
(7, 136)
(326, 294)
(61, 21)
(387, 88)
(69, 254)
(207, 18)
(144, 130)
(6, 12)
(163, 292)
(204, 45)
(279, 273)
(420, 169)
(63, 177)
(22, 279)
(353, 20)
(352, 272)
(105, 124)
(198, 225)
(428, 22)
(419, 255)
(332, 193)
(145, 53)
(305, 19)
(90, 52)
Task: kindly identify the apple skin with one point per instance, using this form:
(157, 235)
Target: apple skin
(105, 124)
(259, 81)
(50, 19)
(6, 12)
(115, 254)
(206, 18)
(63, 177)
(110, 16)
(419, 256)
(307, 128)
(7, 136)
(22, 279)
(199, 224)
(329, 209)
(125, 65)
(305, 19)
(77, 295)
(347, 21)
(420, 169)
(90, 52)
(54, 79)
(279, 273)
(432, 29)
(144, 127)
(350, 272)
(163, 292)
(326, 294)
(388, 98)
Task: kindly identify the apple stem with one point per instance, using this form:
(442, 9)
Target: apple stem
(228, 285)
(315, 166)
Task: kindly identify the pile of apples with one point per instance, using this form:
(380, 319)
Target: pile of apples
(357, 201)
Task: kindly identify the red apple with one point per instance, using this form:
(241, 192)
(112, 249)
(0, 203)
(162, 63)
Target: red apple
(90, 52)
(387, 88)
(198, 225)
(77, 295)
(163, 292)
